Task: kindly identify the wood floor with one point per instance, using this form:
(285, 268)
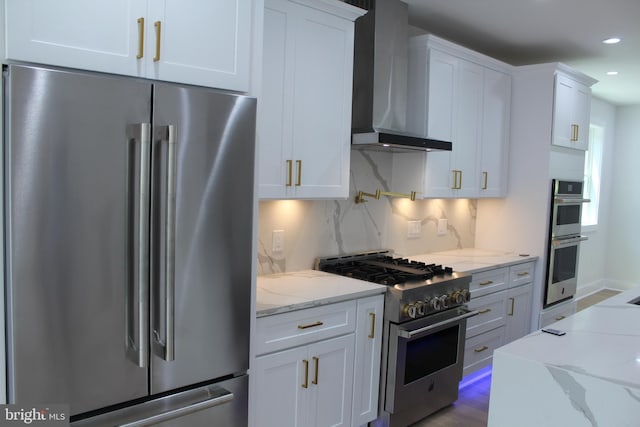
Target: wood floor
(472, 407)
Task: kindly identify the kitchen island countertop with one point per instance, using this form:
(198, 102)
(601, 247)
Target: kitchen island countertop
(279, 293)
(473, 260)
(588, 377)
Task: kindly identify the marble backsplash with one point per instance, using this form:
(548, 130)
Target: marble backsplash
(317, 228)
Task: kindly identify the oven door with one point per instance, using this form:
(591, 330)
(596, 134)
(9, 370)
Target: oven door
(565, 219)
(562, 276)
(425, 361)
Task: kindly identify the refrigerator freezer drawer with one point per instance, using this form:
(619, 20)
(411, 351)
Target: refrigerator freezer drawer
(223, 403)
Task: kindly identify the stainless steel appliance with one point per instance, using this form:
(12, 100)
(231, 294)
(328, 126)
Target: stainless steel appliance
(128, 208)
(564, 240)
(424, 331)
(380, 70)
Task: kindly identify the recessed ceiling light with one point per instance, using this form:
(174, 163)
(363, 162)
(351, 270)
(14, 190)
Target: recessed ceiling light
(612, 40)
(612, 73)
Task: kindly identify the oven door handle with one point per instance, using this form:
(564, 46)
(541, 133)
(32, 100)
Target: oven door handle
(410, 334)
(570, 201)
(560, 243)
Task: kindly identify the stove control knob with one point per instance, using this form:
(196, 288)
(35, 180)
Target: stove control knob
(420, 308)
(409, 310)
(444, 301)
(458, 297)
(466, 295)
(436, 304)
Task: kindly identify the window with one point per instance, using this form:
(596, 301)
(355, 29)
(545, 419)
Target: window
(592, 169)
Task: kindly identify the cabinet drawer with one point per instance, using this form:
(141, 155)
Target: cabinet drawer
(488, 282)
(478, 350)
(492, 313)
(520, 274)
(295, 328)
(557, 312)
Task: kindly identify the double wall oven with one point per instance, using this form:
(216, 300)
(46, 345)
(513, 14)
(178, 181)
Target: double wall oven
(564, 240)
(425, 320)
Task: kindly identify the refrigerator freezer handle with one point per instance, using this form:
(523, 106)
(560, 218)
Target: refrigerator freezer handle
(218, 400)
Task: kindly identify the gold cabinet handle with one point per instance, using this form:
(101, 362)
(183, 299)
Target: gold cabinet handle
(560, 317)
(460, 181)
(140, 38)
(299, 167)
(306, 373)
(486, 310)
(289, 172)
(311, 325)
(457, 179)
(524, 273)
(577, 132)
(317, 362)
(513, 301)
(373, 325)
(488, 282)
(485, 179)
(481, 349)
(574, 132)
(158, 26)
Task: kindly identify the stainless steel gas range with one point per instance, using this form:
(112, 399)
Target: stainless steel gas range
(425, 320)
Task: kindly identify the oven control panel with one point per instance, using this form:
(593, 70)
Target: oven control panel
(422, 307)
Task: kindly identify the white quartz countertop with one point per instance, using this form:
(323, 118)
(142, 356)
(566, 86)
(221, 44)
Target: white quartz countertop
(279, 293)
(473, 260)
(588, 377)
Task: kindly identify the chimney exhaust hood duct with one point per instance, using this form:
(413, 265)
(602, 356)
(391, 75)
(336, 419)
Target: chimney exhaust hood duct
(380, 70)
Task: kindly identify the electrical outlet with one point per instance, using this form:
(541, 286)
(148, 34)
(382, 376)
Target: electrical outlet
(277, 241)
(414, 229)
(442, 227)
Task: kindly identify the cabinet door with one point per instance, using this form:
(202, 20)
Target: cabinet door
(519, 301)
(467, 132)
(331, 381)
(367, 361)
(322, 84)
(99, 36)
(274, 114)
(571, 111)
(278, 393)
(495, 134)
(442, 73)
(201, 42)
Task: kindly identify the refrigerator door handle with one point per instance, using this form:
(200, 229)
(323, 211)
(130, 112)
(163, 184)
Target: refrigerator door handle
(139, 301)
(221, 397)
(166, 348)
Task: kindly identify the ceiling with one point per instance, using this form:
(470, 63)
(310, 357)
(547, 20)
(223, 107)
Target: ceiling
(523, 32)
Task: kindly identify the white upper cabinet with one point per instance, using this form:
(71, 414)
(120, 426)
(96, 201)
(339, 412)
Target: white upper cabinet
(304, 113)
(199, 42)
(571, 113)
(460, 96)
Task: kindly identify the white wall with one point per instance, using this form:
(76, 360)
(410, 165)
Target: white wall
(623, 240)
(592, 273)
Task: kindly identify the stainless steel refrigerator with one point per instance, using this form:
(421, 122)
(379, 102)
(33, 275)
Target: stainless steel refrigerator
(128, 218)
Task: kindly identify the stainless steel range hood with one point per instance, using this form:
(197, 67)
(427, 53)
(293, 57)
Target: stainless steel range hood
(380, 62)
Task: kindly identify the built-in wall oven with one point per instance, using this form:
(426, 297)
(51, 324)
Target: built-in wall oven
(564, 240)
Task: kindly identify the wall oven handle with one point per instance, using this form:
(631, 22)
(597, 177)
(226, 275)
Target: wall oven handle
(559, 243)
(569, 201)
(410, 334)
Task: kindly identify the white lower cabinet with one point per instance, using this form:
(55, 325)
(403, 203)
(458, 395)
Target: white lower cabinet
(503, 299)
(367, 363)
(330, 374)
